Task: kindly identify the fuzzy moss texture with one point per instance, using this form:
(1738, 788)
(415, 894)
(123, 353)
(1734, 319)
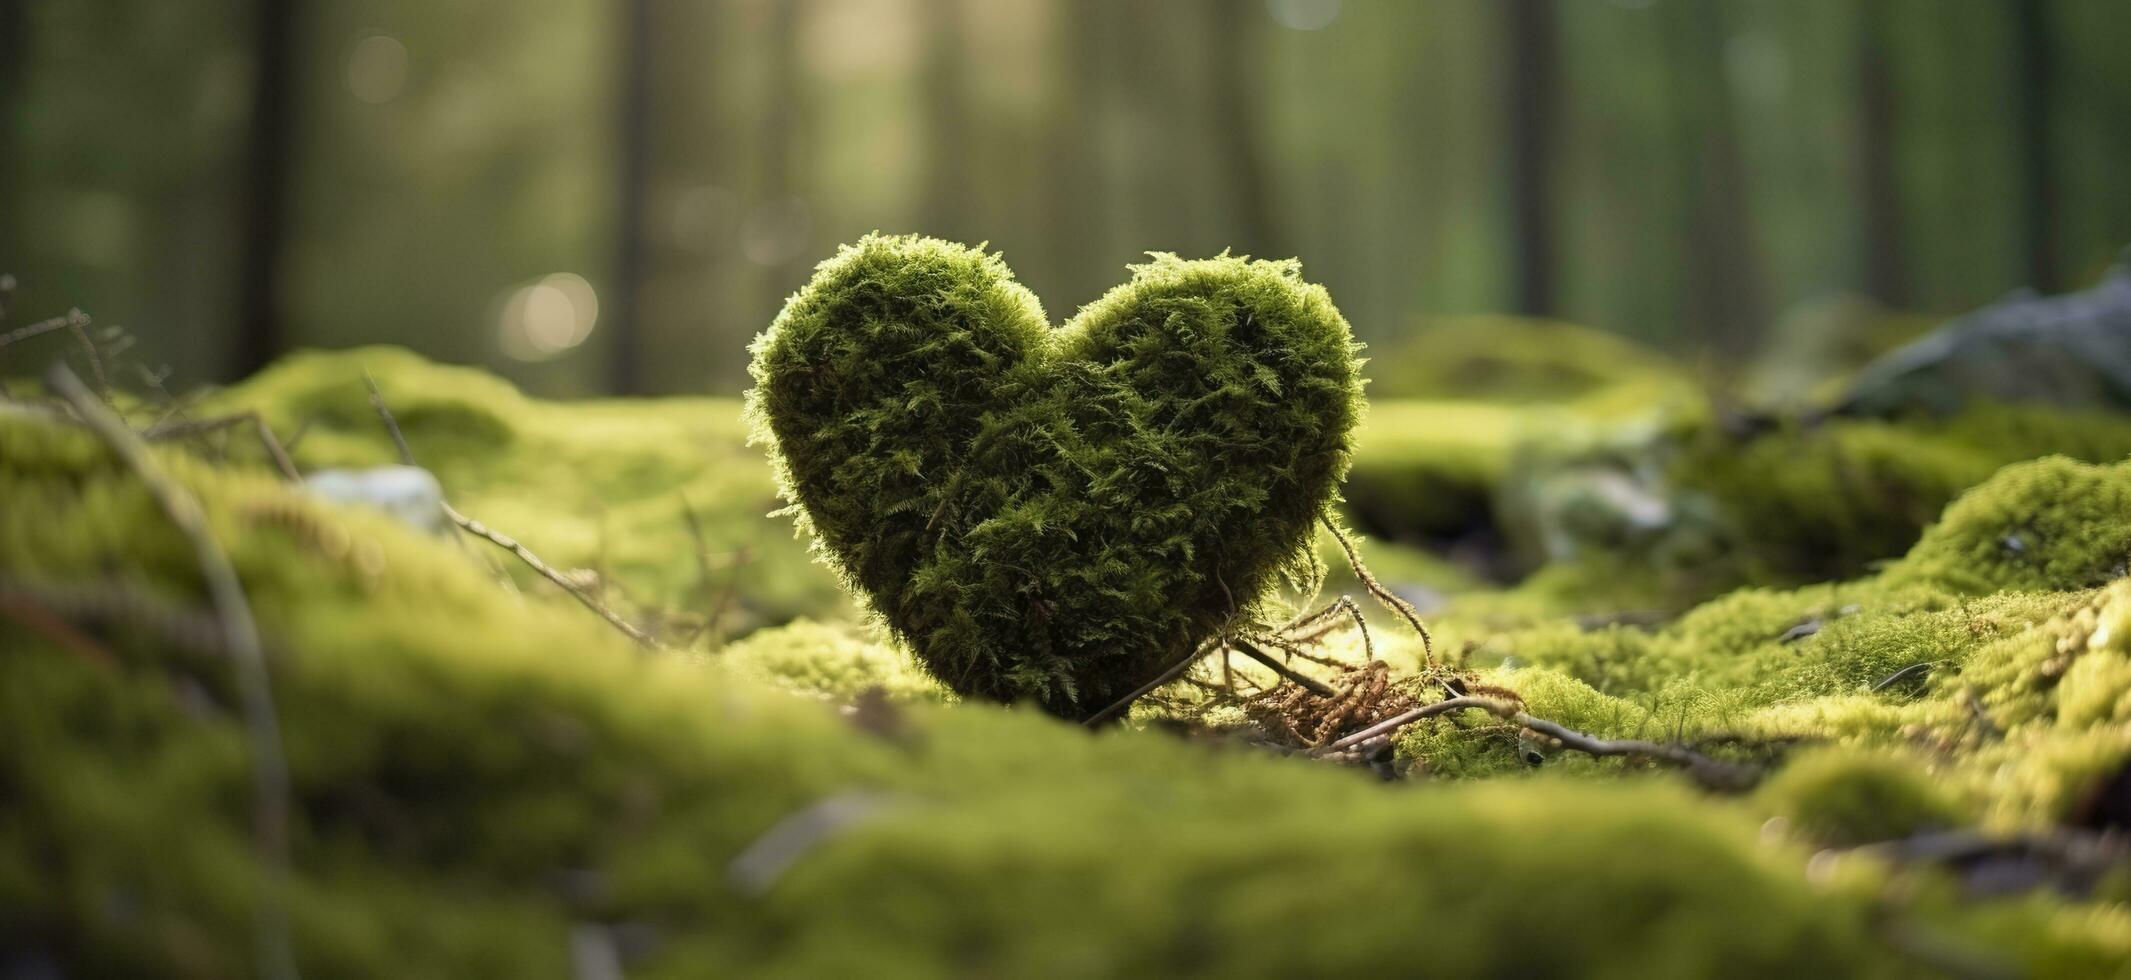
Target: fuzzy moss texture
(1057, 514)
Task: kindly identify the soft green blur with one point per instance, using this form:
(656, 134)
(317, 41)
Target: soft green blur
(1705, 171)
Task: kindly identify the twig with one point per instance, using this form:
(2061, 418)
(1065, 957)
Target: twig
(510, 544)
(1175, 671)
(113, 602)
(187, 427)
(505, 541)
(1712, 772)
(78, 325)
(1383, 595)
(270, 805)
(1311, 684)
(36, 617)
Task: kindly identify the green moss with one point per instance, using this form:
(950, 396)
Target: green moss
(477, 778)
(1845, 798)
(2053, 523)
(1056, 515)
(828, 661)
(1517, 360)
(602, 485)
(1428, 471)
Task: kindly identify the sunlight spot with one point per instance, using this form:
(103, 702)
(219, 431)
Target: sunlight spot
(548, 317)
(377, 69)
(1303, 15)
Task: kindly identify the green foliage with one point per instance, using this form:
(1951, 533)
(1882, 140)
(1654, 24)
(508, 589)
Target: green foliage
(828, 661)
(1056, 514)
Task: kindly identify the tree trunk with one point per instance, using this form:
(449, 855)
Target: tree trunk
(269, 166)
(1878, 186)
(625, 350)
(1531, 55)
(1236, 38)
(2034, 108)
(944, 207)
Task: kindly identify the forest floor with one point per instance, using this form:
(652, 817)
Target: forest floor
(1703, 696)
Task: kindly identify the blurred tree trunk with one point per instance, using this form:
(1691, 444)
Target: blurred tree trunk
(14, 82)
(1236, 35)
(2034, 80)
(632, 114)
(781, 216)
(1724, 301)
(945, 96)
(1530, 33)
(1879, 187)
(270, 159)
(1077, 227)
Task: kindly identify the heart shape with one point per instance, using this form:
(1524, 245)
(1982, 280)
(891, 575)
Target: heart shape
(1056, 514)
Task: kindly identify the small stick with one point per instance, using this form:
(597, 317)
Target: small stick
(1713, 771)
(392, 425)
(1175, 671)
(1311, 684)
(1383, 595)
(186, 427)
(510, 544)
(240, 634)
(62, 634)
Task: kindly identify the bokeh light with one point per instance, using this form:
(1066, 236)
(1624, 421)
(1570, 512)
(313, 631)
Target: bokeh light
(547, 318)
(377, 69)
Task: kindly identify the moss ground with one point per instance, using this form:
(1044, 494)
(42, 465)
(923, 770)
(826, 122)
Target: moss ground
(494, 783)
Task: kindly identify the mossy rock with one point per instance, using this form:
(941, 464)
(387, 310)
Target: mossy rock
(1057, 515)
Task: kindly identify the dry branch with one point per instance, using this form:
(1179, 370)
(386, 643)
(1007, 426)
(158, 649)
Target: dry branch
(505, 541)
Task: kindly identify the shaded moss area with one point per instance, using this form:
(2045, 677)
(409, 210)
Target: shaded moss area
(482, 782)
(493, 783)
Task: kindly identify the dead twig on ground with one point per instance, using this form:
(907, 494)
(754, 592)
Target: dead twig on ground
(185, 428)
(270, 805)
(505, 541)
(1311, 684)
(1712, 772)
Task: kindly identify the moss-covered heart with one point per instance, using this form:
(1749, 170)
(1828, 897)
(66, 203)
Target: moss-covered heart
(1056, 514)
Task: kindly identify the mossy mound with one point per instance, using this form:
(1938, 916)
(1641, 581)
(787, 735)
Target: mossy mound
(484, 785)
(1057, 515)
(1517, 360)
(608, 486)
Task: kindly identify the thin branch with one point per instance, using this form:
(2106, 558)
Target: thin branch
(1712, 772)
(1383, 595)
(510, 544)
(270, 778)
(1175, 671)
(505, 541)
(1311, 684)
(392, 425)
(185, 427)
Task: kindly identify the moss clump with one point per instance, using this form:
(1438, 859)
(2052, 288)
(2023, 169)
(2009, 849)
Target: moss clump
(1844, 798)
(828, 661)
(1056, 514)
(1518, 360)
(2053, 523)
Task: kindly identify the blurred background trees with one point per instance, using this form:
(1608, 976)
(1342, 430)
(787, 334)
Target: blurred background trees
(597, 195)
